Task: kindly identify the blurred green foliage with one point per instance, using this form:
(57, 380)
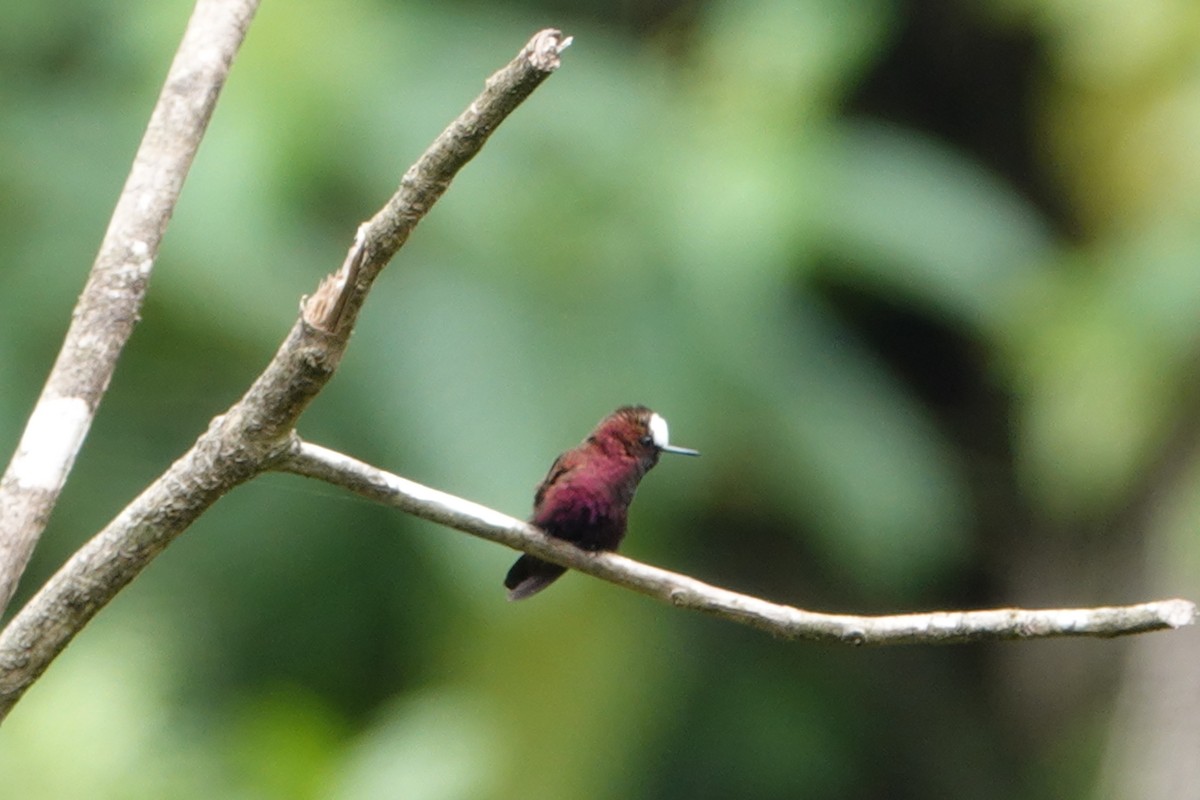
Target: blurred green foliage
(918, 278)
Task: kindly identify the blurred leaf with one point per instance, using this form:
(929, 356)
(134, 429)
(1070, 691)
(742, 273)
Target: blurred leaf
(1100, 356)
(436, 746)
(285, 744)
(924, 224)
(109, 703)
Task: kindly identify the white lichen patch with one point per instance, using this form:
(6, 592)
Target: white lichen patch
(52, 438)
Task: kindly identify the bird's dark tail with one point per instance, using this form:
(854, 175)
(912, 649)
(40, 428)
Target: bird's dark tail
(529, 576)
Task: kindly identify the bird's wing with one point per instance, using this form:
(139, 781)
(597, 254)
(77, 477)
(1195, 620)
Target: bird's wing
(562, 465)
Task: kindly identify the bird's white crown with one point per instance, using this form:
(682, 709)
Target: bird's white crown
(658, 431)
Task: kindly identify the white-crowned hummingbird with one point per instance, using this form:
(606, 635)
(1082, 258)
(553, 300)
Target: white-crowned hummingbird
(585, 496)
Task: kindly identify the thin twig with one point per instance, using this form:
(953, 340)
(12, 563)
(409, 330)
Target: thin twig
(258, 430)
(942, 627)
(107, 310)
(336, 303)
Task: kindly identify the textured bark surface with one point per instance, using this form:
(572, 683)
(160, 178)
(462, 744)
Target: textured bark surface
(257, 431)
(108, 309)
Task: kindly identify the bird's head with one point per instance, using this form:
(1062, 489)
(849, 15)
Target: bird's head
(638, 431)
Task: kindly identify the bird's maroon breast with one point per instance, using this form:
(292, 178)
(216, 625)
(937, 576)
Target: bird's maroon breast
(583, 514)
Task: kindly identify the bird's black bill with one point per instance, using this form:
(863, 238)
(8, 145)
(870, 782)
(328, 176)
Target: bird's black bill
(683, 451)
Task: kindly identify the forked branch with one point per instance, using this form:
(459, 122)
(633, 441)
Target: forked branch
(257, 434)
(257, 431)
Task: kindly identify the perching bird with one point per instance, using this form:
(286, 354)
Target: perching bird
(585, 497)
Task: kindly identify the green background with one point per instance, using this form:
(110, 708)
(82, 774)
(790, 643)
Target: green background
(918, 278)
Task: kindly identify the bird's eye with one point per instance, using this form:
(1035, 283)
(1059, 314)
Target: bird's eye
(647, 440)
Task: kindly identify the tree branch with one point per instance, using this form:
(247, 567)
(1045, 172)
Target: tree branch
(336, 303)
(107, 310)
(942, 627)
(257, 431)
(257, 434)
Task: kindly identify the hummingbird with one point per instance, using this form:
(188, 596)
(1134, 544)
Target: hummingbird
(584, 498)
